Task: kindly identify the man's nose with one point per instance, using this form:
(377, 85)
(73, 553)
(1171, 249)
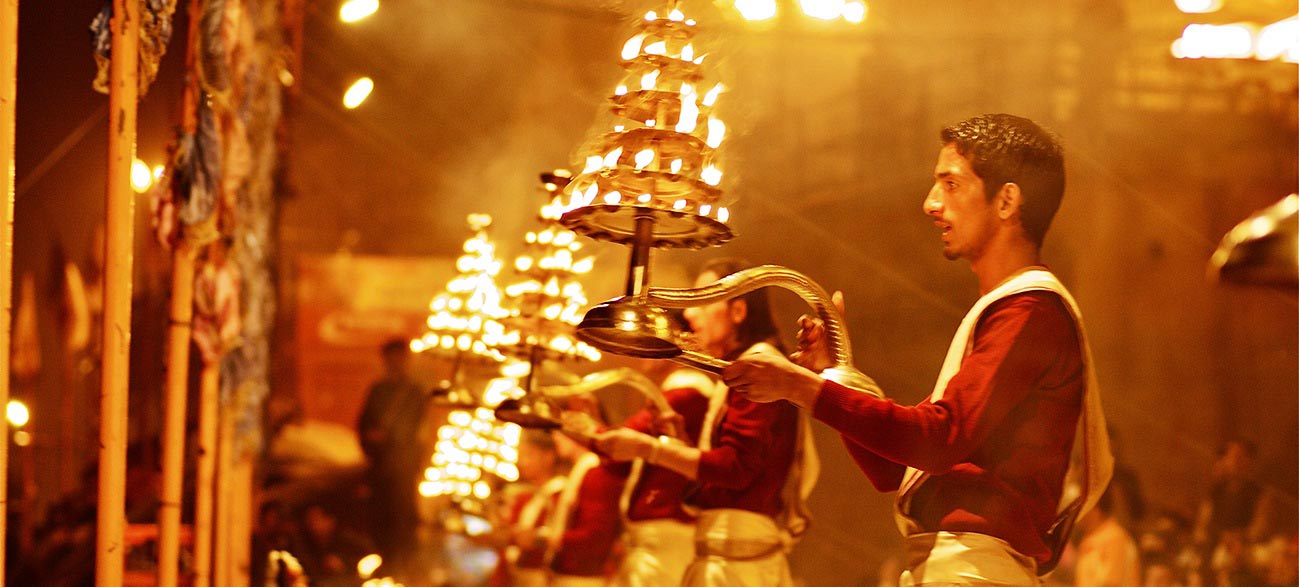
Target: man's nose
(933, 203)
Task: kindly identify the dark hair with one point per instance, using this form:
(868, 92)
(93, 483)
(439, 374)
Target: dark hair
(540, 439)
(1006, 149)
(1251, 449)
(758, 324)
(394, 346)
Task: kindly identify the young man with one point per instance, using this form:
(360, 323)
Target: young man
(979, 466)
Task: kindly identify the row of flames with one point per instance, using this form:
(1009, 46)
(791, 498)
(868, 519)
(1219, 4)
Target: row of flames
(660, 157)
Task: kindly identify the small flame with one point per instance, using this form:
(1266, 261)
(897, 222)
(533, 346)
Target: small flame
(657, 48)
(711, 175)
(632, 48)
(613, 197)
(689, 112)
(688, 52)
(621, 90)
(611, 160)
(711, 97)
(651, 15)
(676, 15)
(716, 131)
(705, 209)
(644, 198)
(676, 166)
(723, 214)
(593, 163)
(679, 205)
(644, 158)
(650, 80)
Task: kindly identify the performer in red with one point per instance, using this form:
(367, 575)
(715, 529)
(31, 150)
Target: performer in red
(980, 466)
(584, 529)
(747, 520)
(658, 531)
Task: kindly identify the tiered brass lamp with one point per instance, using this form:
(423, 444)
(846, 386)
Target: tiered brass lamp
(654, 181)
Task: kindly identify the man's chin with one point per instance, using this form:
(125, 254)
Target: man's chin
(951, 255)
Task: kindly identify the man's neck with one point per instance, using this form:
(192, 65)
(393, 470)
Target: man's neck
(1002, 262)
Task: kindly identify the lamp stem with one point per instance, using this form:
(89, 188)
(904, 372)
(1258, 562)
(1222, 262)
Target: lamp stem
(534, 362)
(638, 272)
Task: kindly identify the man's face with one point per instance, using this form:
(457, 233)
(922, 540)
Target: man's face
(714, 325)
(959, 207)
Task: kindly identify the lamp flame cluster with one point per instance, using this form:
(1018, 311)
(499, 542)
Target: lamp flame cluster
(471, 448)
(548, 304)
(661, 157)
(466, 317)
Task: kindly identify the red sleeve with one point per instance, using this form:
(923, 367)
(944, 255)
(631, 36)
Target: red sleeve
(884, 474)
(1012, 345)
(746, 442)
(593, 527)
(687, 401)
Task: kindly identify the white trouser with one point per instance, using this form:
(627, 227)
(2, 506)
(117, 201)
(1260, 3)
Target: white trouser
(658, 552)
(737, 548)
(529, 577)
(576, 581)
(965, 558)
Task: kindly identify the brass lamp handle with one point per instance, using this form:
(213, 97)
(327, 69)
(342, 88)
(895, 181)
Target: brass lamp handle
(743, 282)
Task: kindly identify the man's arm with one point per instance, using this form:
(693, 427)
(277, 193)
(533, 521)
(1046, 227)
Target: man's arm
(1017, 337)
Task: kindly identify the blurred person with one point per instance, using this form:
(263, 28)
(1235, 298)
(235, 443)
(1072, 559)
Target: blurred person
(1107, 553)
(1159, 572)
(1235, 502)
(583, 531)
(275, 531)
(979, 466)
(749, 466)
(388, 426)
(328, 551)
(659, 530)
(524, 511)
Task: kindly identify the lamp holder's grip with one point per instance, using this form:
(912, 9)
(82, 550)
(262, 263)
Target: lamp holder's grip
(745, 281)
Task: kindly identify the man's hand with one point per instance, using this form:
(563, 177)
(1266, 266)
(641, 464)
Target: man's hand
(622, 444)
(813, 348)
(765, 378)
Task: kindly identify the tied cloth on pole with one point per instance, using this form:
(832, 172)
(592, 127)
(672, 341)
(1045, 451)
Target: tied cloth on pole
(155, 33)
(185, 207)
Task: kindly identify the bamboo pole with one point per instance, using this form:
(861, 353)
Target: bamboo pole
(173, 426)
(209, 390)
(119, 248)
(224, 489)
(241, 519)
(8, 100)
(179, 332)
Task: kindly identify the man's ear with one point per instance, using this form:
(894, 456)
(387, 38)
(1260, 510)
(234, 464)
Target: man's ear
(738, 310)
(1008, 200)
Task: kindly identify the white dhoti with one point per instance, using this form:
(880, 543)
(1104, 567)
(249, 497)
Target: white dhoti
(529, 577)
(576, 581)
(738, 548)
(658, 552)
(965, 558)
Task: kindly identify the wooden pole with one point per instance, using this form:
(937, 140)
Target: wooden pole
(179, 332)
(124, 87)
(173, 425)
(224, 490)
(8, 100)
(241, 518)
(209, 391)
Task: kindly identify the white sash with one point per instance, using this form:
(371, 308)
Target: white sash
(558, 523)
(1097, 464)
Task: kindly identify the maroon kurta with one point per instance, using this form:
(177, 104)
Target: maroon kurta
(660, 492)
(593, 525)
(751, 454)
(997, 445)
